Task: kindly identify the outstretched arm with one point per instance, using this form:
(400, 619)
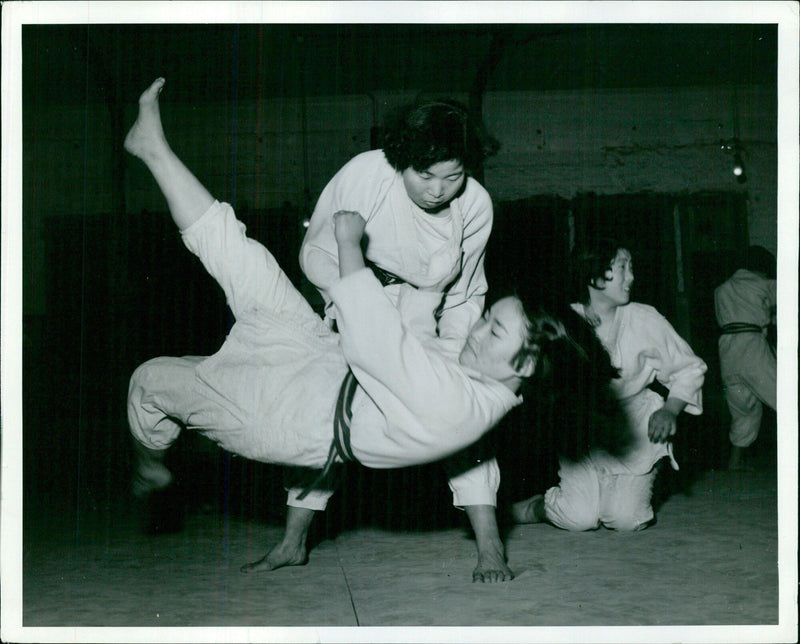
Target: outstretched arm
(474, 478)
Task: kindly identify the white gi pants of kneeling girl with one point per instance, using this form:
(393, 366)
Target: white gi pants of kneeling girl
(588, 497)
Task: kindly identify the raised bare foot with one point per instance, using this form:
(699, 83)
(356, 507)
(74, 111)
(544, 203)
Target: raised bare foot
(146, 135)
(530, 510)
(281, 555)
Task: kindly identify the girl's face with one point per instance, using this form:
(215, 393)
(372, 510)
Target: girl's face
(496, 339)
(616, 288)
(433, 188)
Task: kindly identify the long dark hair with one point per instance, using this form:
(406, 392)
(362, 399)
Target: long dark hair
(572, 383)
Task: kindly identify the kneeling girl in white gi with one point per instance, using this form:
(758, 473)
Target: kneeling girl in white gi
(608, 490)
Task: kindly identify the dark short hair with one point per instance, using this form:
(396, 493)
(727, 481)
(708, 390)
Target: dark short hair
(418, 135)
(759, 259)
(589, 264)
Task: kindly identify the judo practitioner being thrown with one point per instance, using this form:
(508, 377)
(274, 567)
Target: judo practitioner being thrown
(272, 391)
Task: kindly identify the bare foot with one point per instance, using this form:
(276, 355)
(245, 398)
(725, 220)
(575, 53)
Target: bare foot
(146, 136)
(281, 555)
(492, 567)
(530, 510)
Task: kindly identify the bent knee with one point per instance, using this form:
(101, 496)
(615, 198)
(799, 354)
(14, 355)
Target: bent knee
(152, 401)
(570, 511)
(162, 374)
(141, 376)
(629, 523)
(150, 371)
(582, 524)
(574, 521)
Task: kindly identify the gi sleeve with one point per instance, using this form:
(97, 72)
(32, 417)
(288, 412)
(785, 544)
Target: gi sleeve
(401, 375)
(464, 300)
(679, 369)
(476, 486)
(355, 187)
(319, 258)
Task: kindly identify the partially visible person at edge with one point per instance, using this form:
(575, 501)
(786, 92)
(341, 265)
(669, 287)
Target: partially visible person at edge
(746, 306)
(427, 224)
(615, 490)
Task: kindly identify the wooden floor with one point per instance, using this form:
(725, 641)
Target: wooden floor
(711, 561)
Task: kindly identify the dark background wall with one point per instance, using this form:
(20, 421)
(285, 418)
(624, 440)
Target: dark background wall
(622, 129)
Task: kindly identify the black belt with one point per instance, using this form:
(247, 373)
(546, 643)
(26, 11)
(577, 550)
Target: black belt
(384, 276)
(340, 445)
(660, 389)
(343, 417)
(740, 327)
